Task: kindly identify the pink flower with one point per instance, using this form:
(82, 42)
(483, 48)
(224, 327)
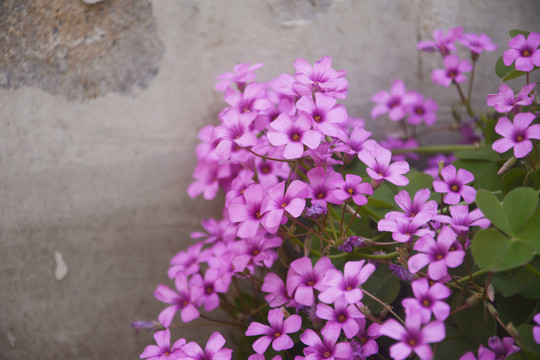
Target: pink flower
(453, 71)
(418, 206)
(303, 277)
(390, 102)
(214, 282)
(234, 130)
(294, 135)
(346, 285)
(250, 214)
(187, 262)
(353, 187)
(343, 315)
(505, 100)
(353, 145)
(427, 300)
(256, 251)
(324, 113)
(320, 78)
(367, 345)
(326, 348)
(443, 43)
(420, 110)
(453, 185)
(277, 291)
(323, 186)
(379, 168)
(478, 43)
(403, 229)
(276, 333)
(278, 201)
(213, 350)
(438, 254)
(253, 97)
(163, 349)
(461, 219)
(524, 51)
(242, 74)
(516, 135)
(182, 300)
(536, 329)
(413, 337)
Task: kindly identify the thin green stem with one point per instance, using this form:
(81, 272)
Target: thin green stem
(436, 149)
(465, 101)
(385, 305)
(471, 81)
(473, 275)
(375, 256)
(533, 270)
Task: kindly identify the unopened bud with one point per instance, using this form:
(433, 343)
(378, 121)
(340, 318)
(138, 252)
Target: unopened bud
(507, 165)
(473, 299)
(512, 330)
(493, 312)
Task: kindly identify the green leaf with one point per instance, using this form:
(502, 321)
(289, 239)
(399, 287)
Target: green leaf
(509, 283)
(502, 70)
(530, 232)
(516, 32)
(515, 74)
(493, 251)
(492, 209)
(474, 323)
(519, 204)
(453, 346)
(384, 285)
(513, 179)
(533, 290)
(515, 309)
(482, 154)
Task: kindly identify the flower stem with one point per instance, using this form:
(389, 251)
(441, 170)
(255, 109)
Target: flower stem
(385, 305)
(436, 149)
(473, 275)
(465, 101)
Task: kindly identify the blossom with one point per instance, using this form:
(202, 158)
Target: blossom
(253, 97)
(477, 43)
(256, 250)
(412, 337)
(390, 102)
(320, 78)
(324, 113)
(505, 100)
(240, 183)
(277, 291)
(403, 229)
(234, 130)
(350, 243)
(182, 300)
(516, 135)
(438, 254)
(353, 145)
(276, 333)
(303, 277)
(420, 205)
(367, 345)
(355, 273)
(433, 163)
(453, 185)
(241, 74)
(536, 329)
(377, 159)
(461, 219)
(444, 43)
(453, 71)
(343, 315)
(326, 348)
(213, 350)
(187, 262)
(427, 300)
(278, 201)
(353, 187)
(524, 51)
(163, 349)
(323, 186)
(213, 282)
(294, 135)
(249, 215)
(419, 110)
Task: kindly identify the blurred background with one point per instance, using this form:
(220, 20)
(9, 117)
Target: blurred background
(100, 105)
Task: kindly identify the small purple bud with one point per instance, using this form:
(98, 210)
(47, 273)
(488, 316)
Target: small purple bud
(315, 211)
(400, 272)
(145, 325)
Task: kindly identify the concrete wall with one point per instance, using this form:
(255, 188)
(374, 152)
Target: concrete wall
(99, 111)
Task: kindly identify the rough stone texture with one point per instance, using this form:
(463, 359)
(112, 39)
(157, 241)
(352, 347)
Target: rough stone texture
(103, 182)
(76, 49)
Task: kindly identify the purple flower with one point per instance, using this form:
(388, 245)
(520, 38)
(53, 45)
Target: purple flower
(350, 243)
(505, 100)
(344, 316)
(182, 299)
(516, 135)
(249, 214)
(213, 350)
(418, 206)
(320, 78)
(256, 251)
(214, 282)
(392, 142)
(390, 102)
(324, 113)
(461, 219)
(323, 186)
(276, 333)
(217, 231)
(427, 300)
(316, 210)
(443, 43)
(400, 272)
(163, 349)
(438, 254)
(253, 97)
(367, 346)
(354, 188)
(420, 110)
(379, 168)
(303, 277)
(477, 43)
(240, 183)
(502, 348)
(536, 329)
(413, 337)
(346, 284)
(325, 349)
(187, 262)
(242, 74)
(353, 144)
(277, 291)
(453, 71)
(234, 130)
(433, 163)
(294, 135)
(403, 229)
(453, 185)
(278, 201)
(524, 51)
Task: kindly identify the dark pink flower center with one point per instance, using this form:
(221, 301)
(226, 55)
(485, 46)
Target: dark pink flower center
(394, 102)
(452, 74)
(454, 188)
(419, 110)
(526, 53)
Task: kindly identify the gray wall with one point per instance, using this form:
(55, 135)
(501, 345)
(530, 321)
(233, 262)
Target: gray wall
(99, 111)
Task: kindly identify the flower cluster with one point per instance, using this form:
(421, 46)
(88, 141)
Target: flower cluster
(317, 215)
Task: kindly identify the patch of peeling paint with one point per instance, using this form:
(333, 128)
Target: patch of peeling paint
(61, 269)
